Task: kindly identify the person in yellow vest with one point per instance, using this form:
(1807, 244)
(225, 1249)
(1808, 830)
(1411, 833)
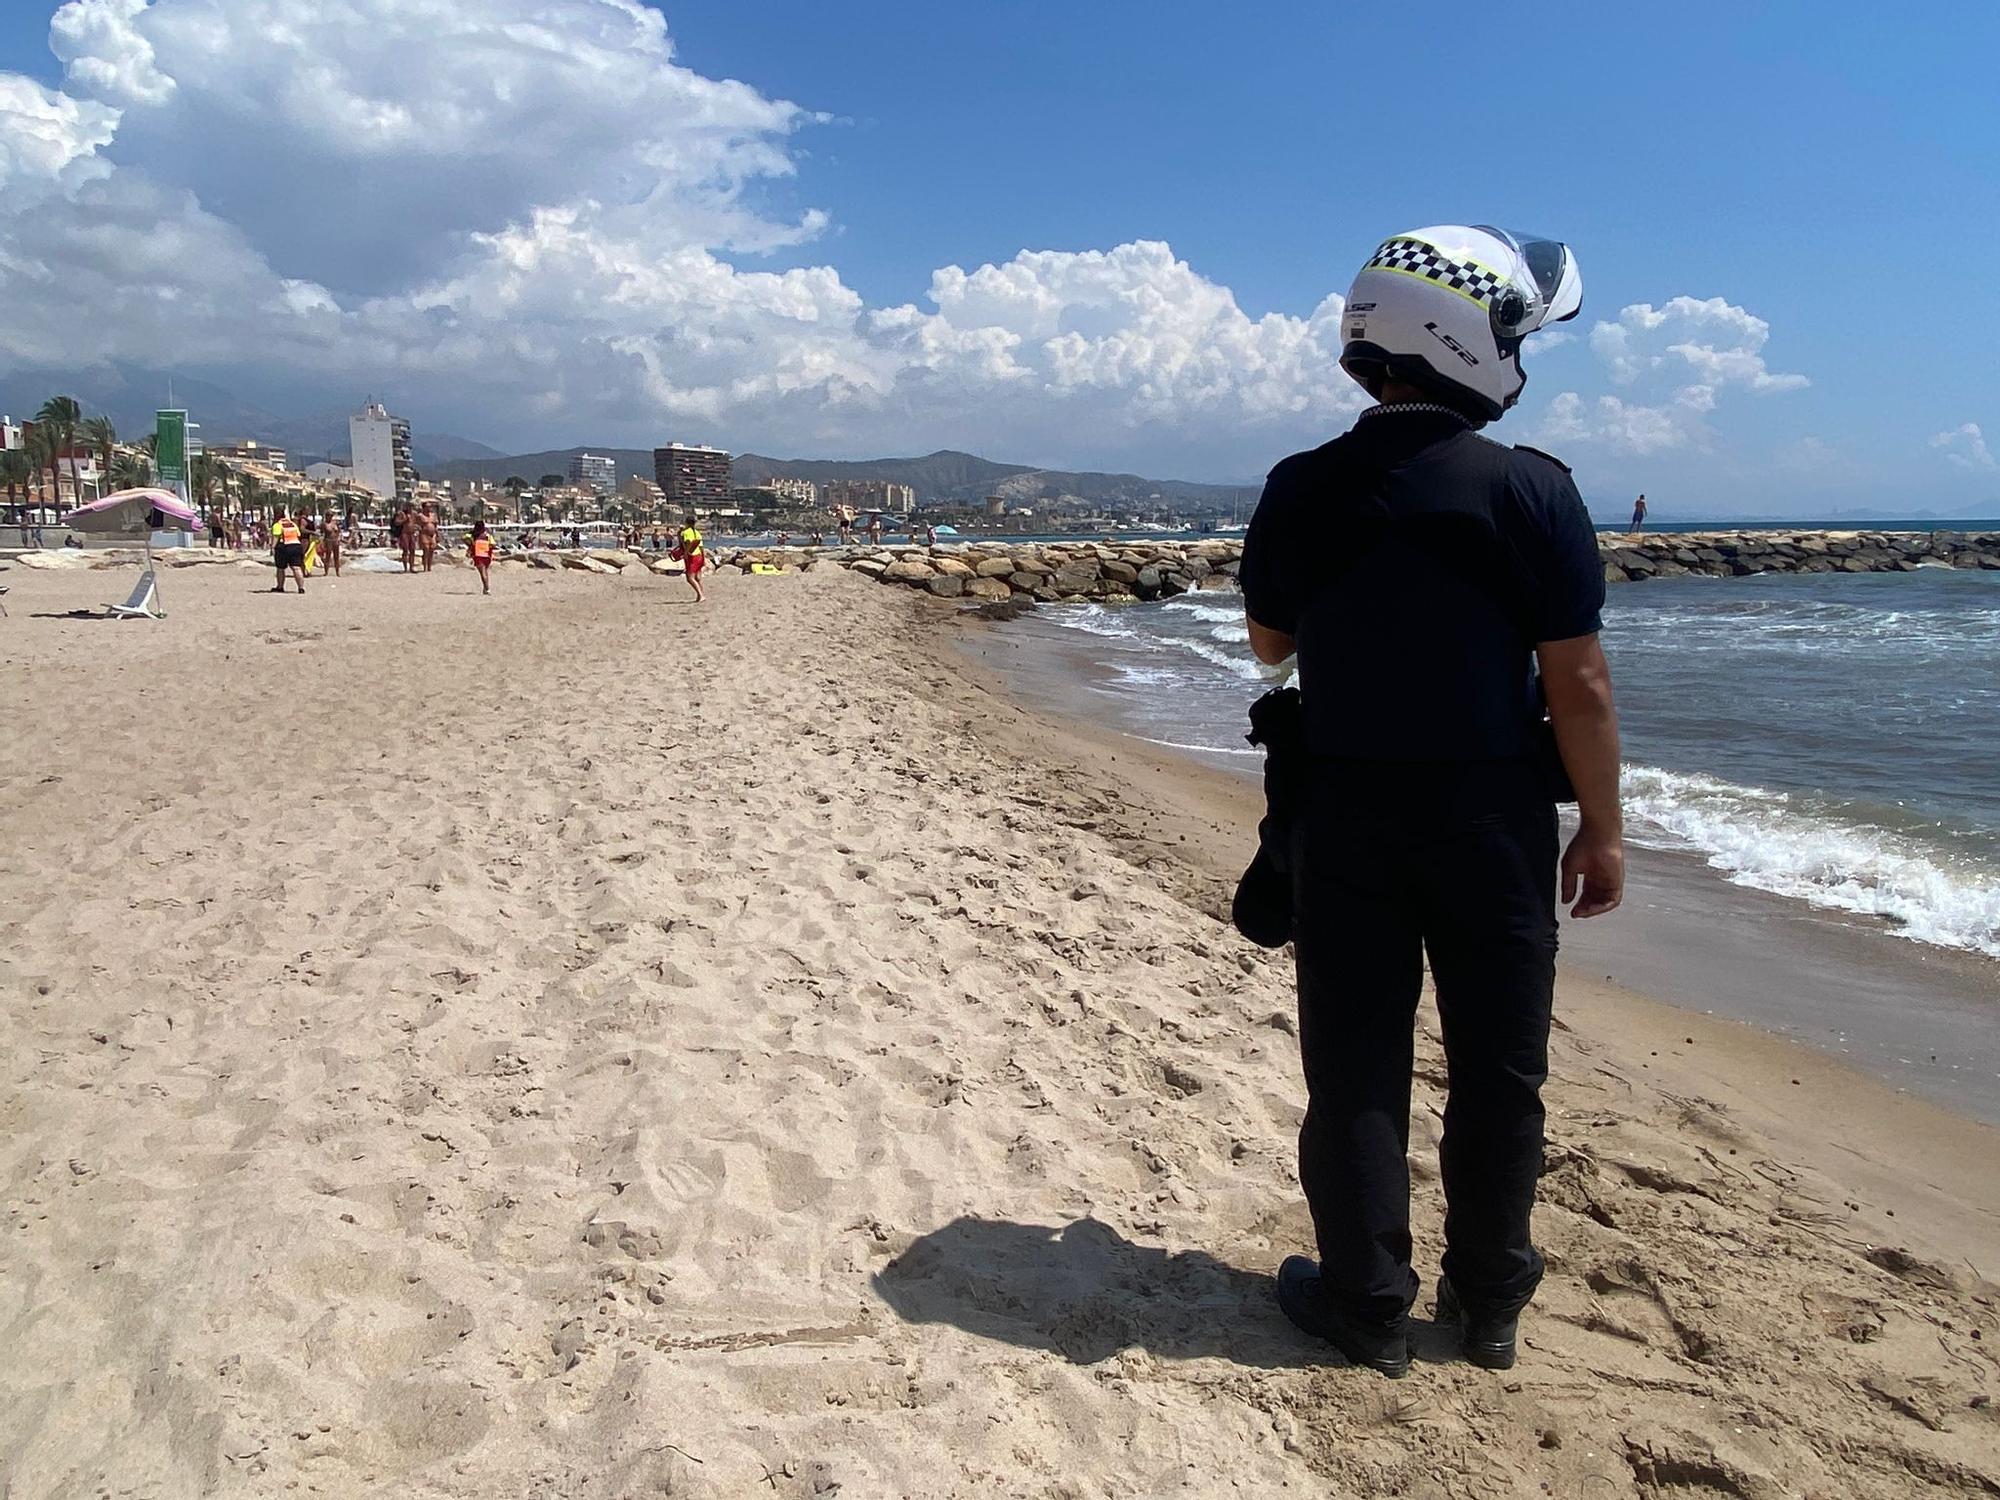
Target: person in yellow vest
(289, 551)
(688, 549)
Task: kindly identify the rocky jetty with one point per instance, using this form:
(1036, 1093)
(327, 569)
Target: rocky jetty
(992, 572)
(1726, 554)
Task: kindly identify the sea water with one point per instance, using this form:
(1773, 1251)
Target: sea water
(1829, 738)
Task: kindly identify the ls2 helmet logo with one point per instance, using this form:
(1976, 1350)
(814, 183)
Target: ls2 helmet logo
(1453, 344)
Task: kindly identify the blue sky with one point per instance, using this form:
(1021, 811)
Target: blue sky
(1827, 172)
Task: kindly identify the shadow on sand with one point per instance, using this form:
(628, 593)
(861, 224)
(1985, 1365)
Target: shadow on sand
(1085, 1292)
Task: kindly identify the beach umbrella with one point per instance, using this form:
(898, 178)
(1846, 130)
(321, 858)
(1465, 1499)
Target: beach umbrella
(136, 513)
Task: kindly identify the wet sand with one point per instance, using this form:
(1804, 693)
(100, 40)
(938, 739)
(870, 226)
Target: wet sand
(1918, 1017)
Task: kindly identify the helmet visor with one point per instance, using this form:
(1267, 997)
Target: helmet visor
(1550, 271)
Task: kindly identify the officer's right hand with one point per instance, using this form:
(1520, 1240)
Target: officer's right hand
(1593, 873)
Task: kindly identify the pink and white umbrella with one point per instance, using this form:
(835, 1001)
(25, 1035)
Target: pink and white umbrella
(135, 511)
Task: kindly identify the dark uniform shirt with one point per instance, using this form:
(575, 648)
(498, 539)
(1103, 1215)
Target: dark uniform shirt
(1418, 564)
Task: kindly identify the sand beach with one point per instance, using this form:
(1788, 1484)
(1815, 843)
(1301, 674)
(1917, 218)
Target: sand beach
(574, 1043)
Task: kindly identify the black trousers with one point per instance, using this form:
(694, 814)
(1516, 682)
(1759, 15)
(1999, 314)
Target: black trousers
(1459, 861)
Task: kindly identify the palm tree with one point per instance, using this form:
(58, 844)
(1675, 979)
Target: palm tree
(130, 470)
(44, 453)
(15, 472)
(101, 435)
(62, 417)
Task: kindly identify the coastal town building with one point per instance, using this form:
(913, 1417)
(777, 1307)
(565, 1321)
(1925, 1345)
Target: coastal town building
(642, 495)
(380, 445)
(692, 477)
(800, 492)
(871, 494)
(330, 473)
(594, 470)
(250, 451)
(10, 434)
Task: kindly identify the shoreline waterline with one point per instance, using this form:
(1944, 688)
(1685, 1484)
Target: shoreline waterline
(1921, 1018)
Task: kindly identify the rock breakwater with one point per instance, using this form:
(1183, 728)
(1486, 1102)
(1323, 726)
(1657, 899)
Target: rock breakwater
(992, 572)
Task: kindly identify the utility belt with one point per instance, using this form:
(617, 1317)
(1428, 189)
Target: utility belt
(1295, 778)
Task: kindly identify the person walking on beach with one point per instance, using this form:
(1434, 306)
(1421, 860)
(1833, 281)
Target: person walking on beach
(427, 533)
(404, 528)
(1428, 814)
(1639, 513)
(289, 552)
(479, 547)
(691, 555)
(330, 538)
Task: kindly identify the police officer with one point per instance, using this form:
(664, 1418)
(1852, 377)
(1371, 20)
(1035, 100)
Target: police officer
(1423, 573)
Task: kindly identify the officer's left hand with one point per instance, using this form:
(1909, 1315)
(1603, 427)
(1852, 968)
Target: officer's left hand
(1593, 873)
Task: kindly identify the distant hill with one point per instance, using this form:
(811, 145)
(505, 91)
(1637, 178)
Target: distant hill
(130, 394)
(532, 466)
(946, 477)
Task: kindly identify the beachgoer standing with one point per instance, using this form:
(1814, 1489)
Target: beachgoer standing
(1639, 513)
(404, 526)
(427, 534)
(479, 546)
(1428, 817)
(330, 538)
(689, 551)
(875, 529)
(289, 552)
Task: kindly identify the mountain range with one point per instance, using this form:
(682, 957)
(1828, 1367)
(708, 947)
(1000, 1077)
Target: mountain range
(946, 477)
(130, 394)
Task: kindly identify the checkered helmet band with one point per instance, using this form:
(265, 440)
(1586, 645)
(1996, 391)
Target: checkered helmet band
(1418, 258)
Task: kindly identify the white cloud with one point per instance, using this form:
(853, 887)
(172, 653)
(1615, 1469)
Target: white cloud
(1965, 447)
(47, 137)
(106, 53)
(1683, 356)
(523, 211)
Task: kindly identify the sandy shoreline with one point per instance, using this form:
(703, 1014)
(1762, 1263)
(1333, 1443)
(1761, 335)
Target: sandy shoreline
(571, 1044)
(1917, 1016)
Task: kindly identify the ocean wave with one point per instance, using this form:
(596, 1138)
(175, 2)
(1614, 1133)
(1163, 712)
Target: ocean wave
(1836, 860)
(1203, 610)
(1094, 619)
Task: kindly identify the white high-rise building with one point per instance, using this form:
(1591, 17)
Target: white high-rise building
(380, 449)
(601, 474)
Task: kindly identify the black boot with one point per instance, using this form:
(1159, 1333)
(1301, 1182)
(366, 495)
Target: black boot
(1487, 1338)
(1382, 1347)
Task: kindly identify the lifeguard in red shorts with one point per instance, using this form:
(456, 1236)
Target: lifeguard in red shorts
(688, 550)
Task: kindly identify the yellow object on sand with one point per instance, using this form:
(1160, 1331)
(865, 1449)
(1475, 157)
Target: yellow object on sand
(765, 568)
(312, 555)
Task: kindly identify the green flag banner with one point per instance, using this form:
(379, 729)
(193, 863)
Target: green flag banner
(170, 448)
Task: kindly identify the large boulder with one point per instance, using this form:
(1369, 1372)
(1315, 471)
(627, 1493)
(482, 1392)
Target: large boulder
(995, 567)
(991, 589)
(1075, 578)
(951, 567)
(946, 585)
(908, 570)
(1029, 582)
(1120, 572)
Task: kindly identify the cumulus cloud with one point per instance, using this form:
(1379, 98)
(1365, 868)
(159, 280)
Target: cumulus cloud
(1965, 447)
(1682, 358)
(47, 137)
(105, 53)
(529, 213)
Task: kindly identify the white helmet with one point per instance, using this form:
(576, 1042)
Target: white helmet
(1447, 307)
